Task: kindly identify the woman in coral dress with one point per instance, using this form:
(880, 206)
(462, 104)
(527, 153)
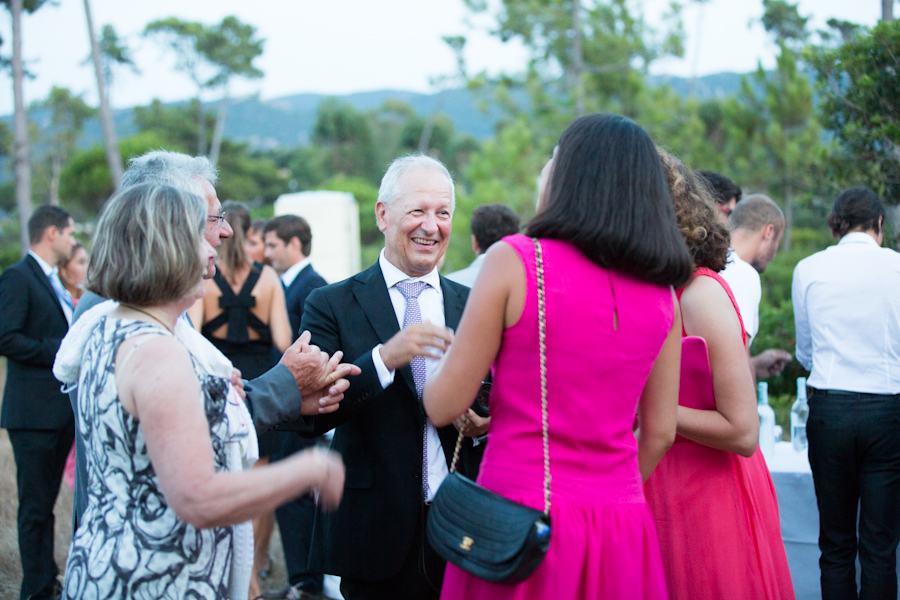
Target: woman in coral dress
(611, 252)
(712, 496)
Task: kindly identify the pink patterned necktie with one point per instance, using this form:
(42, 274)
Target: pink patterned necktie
(411, 291)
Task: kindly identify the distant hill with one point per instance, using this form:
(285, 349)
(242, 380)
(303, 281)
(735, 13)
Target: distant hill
(288, 121)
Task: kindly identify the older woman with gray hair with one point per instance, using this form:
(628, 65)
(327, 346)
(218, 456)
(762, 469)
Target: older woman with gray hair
(166, 433)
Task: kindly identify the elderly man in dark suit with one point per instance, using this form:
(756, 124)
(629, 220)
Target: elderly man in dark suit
(288, 243)
(393, 320)
(37, 311)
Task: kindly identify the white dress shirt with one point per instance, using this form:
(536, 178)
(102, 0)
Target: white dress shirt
(52, 273)
(431, 305)
(288, 277)
(847, 316)
(468, 275)
(744, 282)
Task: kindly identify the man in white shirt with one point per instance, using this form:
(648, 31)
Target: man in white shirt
(757, 225)
(490, 224)
(394, 320)
(847, 316)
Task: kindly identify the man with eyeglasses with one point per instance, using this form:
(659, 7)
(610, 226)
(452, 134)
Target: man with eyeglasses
(277, 397)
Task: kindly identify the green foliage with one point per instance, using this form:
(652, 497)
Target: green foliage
(860, 103)
(177, 125)
(86, 184)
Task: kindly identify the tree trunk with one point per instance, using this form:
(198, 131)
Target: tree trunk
(55, 175)
(113, 157)
(219, 131)
(887, 10)
(788, 210)
(577, 59)
(201, 127)
(23, 162)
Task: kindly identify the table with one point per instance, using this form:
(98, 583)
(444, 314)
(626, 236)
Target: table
(799, 518)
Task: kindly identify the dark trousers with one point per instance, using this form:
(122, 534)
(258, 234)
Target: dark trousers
(854, 452)
(40, 458)
(295, 522)
(420, 577)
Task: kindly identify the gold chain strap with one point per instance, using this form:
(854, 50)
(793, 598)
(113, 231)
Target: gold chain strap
(542, 339)
(542, 343)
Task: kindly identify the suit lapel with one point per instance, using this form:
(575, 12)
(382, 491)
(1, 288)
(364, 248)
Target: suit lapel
(45, 282)
(371, 292)
(453, 305)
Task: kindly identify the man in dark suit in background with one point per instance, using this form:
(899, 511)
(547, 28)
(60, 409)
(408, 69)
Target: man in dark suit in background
(288, 243)
(36, 311)
(393, 320)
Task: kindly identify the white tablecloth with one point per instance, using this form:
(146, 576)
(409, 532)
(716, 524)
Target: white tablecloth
(799, 518)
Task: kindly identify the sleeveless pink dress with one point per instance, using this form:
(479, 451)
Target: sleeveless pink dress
(716, 512)
(604, 542)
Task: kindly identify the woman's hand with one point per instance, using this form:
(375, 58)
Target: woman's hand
(330, 486)
(238, 384)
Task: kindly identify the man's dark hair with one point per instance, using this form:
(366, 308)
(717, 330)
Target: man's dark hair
(854, 207)
(43, 218)
(609, 198)
(291, 226)
(492, 222)
(722, 188)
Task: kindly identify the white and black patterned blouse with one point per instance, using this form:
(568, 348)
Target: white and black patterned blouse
(130, 543)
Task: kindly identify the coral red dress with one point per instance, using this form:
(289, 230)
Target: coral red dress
(604, 543)
(716, 512)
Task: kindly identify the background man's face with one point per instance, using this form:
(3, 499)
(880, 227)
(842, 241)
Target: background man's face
(767, 252)
(214, 233)
(278, 253)
(417, 225)
(65, 241)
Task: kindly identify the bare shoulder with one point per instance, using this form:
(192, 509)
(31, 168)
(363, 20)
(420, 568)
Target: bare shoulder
(706, 308)
(268, 275)
(503, 258)
(156, 355)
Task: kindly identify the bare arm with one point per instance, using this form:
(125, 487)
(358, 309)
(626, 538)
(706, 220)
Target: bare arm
(159, 387)
(734, 425)
(658, 407)
(278, 317)
(495, 303)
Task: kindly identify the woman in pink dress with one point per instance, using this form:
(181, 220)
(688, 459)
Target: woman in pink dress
(611, 252)
(712, 496)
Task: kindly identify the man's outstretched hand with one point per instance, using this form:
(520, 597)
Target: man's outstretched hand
(770, 363)
(321, 379)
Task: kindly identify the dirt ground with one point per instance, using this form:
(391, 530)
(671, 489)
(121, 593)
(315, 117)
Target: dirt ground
(10, 565)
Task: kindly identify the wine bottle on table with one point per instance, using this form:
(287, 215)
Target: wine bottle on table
(799, 416)
(766, 421)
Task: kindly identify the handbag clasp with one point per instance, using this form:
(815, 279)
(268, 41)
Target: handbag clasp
(466, 543)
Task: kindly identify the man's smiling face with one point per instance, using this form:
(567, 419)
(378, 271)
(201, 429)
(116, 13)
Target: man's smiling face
(417, 224)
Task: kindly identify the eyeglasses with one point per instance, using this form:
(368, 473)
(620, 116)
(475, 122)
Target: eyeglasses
(219, 219)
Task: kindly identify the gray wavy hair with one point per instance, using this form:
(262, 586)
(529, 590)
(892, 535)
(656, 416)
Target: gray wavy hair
(391, 189)
(163, 167)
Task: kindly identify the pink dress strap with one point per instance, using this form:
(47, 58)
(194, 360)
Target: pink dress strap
(707, 272)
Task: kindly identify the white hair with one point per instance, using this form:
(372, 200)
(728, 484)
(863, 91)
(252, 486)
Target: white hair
(391, 189)
(163, 167)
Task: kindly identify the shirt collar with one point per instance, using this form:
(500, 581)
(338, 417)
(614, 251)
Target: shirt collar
(393, 275)
(288, 277)
(45, 267)
(858, 237)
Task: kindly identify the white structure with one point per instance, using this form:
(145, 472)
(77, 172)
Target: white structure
(333, 218)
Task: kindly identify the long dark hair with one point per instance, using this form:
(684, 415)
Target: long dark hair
(608, 197)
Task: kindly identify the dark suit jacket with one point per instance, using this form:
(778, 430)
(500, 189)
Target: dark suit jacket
(32, 325)
(305, 282)
(379, 432)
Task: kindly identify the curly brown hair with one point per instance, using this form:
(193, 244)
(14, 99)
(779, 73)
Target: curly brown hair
(701, 222)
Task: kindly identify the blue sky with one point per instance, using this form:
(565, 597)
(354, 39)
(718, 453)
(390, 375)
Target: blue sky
(341, 46)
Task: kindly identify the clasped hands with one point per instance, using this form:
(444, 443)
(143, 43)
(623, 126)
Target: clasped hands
(321, 379)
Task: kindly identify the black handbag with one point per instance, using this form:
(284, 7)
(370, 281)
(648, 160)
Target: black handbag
(481, 532)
